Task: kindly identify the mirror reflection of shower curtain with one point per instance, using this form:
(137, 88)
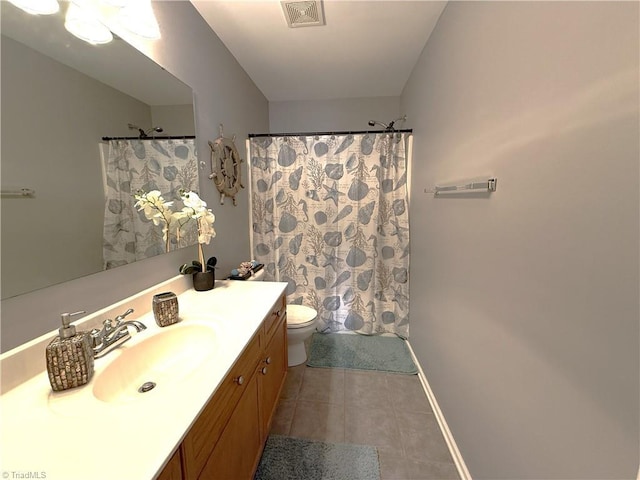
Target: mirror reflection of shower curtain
(166, 165)
(330, 218)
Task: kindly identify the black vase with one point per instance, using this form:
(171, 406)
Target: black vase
(203, 281)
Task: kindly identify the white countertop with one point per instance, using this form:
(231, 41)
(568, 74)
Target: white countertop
(73, 435)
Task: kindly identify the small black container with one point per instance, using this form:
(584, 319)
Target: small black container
(203, 281)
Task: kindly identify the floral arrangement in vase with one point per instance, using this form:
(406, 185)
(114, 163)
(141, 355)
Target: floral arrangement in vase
(195, 209)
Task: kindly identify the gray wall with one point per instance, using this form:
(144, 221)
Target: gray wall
(223, 94)
(524, 304)
(174, 119)
(331, 115)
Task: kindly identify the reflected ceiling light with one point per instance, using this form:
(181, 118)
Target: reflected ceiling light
(114, 3)
(85, 25)
(137, 16)
(37, 7)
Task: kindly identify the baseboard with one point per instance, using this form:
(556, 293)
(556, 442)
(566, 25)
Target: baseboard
(442, 422)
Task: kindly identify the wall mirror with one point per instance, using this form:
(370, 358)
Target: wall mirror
(60, 97)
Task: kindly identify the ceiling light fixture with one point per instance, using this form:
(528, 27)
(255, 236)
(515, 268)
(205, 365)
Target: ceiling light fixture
(89, 19)
(114, 3)
(84, 24)
(137, 16)
(37, 7)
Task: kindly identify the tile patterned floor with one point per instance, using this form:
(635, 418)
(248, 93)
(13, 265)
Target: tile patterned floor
(389, 411)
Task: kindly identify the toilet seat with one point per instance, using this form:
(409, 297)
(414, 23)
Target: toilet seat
(300, 316)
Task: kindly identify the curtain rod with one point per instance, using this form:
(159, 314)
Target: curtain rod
(165, 137)
(310, 134)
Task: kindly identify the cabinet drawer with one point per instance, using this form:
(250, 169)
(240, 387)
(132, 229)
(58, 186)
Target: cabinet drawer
(271, 321)
(202, 438)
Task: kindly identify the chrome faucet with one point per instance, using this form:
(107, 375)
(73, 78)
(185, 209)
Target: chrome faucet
(113, 334)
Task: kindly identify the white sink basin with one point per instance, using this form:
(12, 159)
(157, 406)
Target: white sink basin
(164, 359)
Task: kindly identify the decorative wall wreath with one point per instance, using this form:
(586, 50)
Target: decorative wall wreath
(225, 167)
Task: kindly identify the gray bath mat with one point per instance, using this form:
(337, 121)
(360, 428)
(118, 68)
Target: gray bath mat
(361, 352)
(289, 458)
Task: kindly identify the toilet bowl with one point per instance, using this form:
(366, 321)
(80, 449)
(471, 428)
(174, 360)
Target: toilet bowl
(301, 323)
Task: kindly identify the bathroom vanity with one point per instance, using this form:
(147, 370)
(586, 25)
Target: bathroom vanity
(217, 373)
(227, 438)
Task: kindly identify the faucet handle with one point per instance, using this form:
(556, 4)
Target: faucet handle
(119, 318)
(96, 337)
(107, 325)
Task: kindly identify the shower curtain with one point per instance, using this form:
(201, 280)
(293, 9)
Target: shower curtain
(330, 218)
(166, 165)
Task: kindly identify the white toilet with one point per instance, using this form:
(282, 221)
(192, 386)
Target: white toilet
(301, 323)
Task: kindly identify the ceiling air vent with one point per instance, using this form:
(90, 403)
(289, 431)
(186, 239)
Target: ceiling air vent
(303, 14)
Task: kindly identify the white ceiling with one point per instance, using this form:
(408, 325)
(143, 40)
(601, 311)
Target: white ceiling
(367, 48)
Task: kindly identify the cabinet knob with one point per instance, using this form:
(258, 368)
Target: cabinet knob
(264, 370)
(278, 313)
(239, 380)
(267, 360)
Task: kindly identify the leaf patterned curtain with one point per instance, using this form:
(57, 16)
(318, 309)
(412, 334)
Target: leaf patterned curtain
(330, 218)
(155, 164)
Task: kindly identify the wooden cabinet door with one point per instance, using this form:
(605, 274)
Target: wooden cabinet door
(236, 454)
(199, 443)
(271, 374)
(173, 469)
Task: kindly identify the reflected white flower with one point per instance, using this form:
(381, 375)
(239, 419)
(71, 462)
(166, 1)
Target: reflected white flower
(155, 209)
(159, 211)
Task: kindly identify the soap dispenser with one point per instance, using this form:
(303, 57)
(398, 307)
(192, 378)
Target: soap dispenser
(69, 356)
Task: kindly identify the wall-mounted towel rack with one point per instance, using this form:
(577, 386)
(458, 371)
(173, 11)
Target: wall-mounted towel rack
(18, 192)
(489, 185)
